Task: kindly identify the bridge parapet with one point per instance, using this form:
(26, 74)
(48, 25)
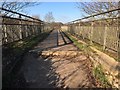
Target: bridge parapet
(102, 31)
(19, 26)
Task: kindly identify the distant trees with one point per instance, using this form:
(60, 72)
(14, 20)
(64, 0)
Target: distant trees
(49, 17)
(50, 21)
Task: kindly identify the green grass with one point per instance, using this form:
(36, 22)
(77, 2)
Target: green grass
(100, 48)
(97, 71)
(99, 74)
(84, 47)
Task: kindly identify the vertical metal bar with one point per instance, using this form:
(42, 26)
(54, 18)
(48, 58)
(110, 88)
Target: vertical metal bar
(119, 31)
(79, 29)
(42, 27)
(105, 36)
(26, 31)
(91, 35)
(33, 29)
(69, 28)
(20, 32)
(5, 33)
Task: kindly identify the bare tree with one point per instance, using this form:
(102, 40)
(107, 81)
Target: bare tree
(16, 6)
(49, 17)
(91, 8)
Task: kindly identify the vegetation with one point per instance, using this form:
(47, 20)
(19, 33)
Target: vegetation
(97, 46)
(16, 6)
(97, 71)
(84, 47)
(49, 17)
(99, 74)
(91, 8)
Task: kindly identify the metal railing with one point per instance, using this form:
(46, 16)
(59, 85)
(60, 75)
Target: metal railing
(19, 27)
(105, 32)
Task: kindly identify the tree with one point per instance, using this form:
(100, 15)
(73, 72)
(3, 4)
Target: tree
(49, 17)
(16, 6)
(91, 8)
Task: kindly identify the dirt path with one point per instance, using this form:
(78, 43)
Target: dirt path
(56, 62)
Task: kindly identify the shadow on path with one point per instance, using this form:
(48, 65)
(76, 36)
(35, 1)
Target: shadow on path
(50, 71)
(39, 72)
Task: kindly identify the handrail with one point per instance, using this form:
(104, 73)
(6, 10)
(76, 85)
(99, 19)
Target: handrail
(18, 19)
(20, 14)
(97, 14)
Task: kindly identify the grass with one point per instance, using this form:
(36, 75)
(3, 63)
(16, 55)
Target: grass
(84, 47)
(100, 48)
(97, 71)
(99, 74)
(107, 51)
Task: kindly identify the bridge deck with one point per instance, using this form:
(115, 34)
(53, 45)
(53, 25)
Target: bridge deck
(56, 62)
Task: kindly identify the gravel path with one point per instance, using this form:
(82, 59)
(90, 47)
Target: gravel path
(56, 62)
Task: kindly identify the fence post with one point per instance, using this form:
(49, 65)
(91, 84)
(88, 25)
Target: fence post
(26, 31)
(20, 32)
(79, 29)
(105, 36)
(33, 28)
(5, 31)
(119, 31)
(70, 28)
(91, 35)
(41, 27)
(73, 28)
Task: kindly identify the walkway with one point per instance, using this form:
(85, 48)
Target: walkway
(56, 62)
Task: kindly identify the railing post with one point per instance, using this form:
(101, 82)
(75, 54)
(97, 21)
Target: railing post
(20, 32)
(41, 27)
(79, 29)
(37, 29)
(26, 31)
(33, 28)
(5, 33)
(69, 28)
(119, 31)
(105, 36)
(91, 35)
